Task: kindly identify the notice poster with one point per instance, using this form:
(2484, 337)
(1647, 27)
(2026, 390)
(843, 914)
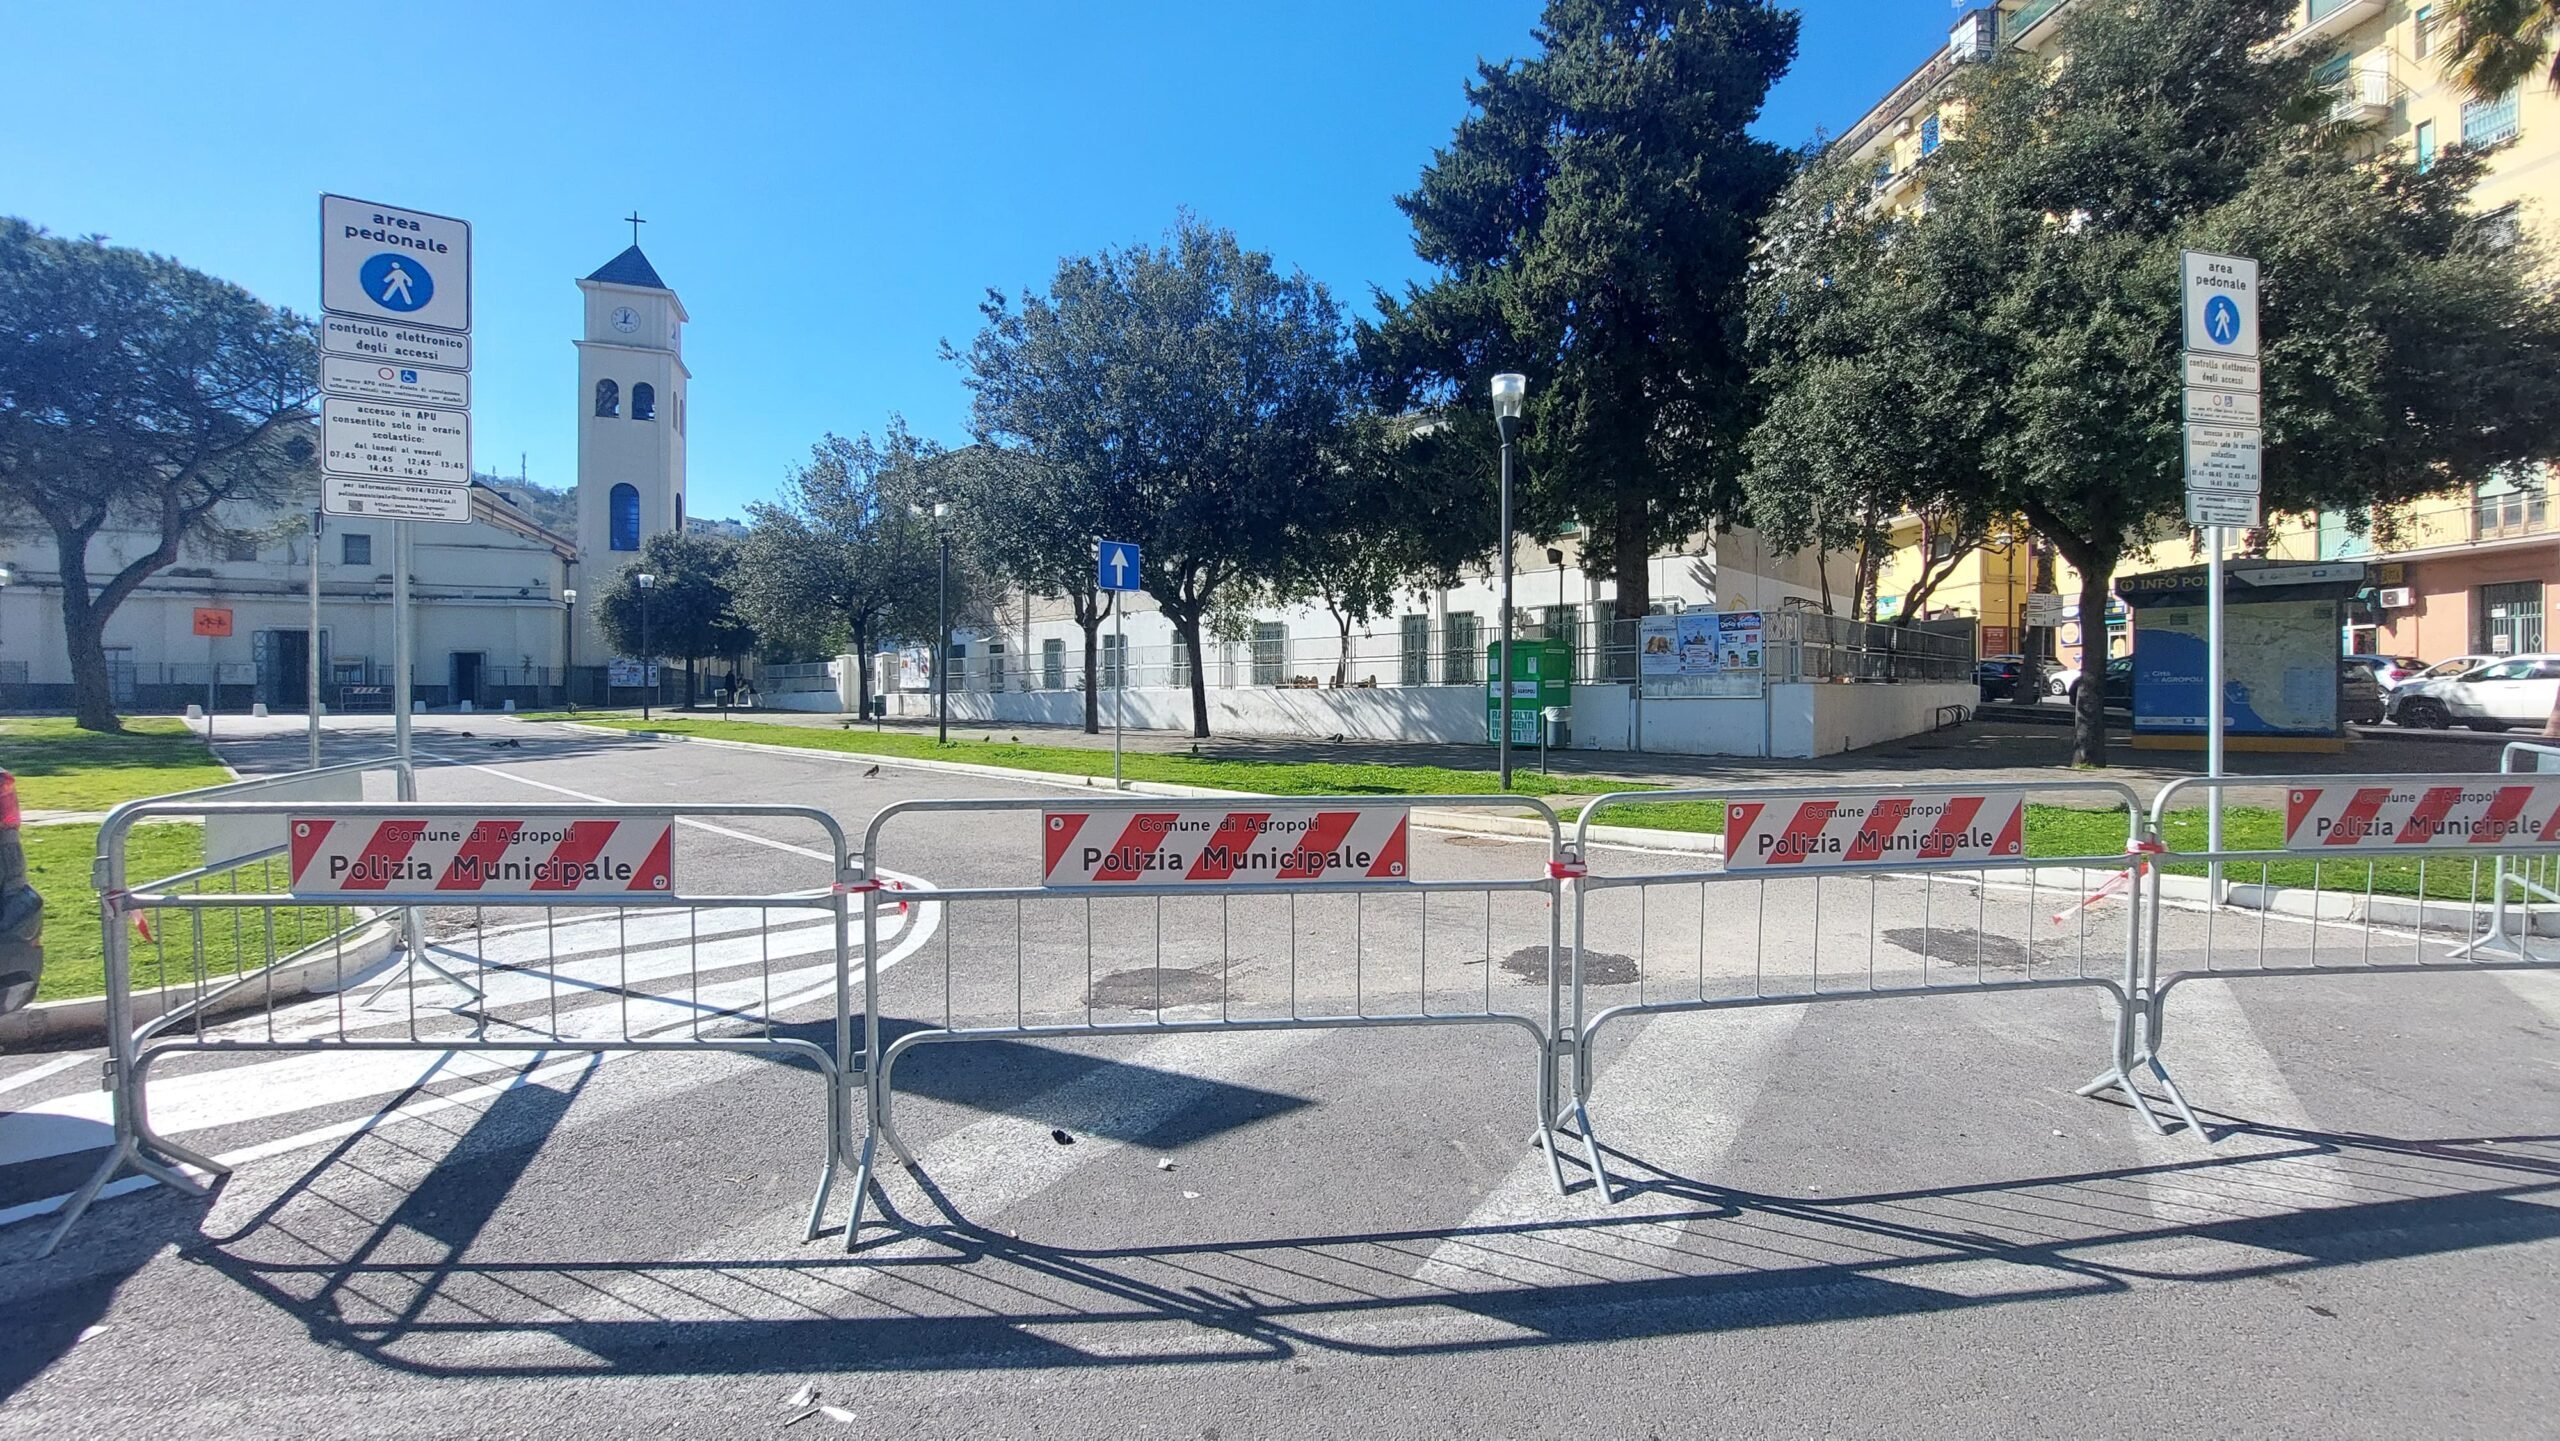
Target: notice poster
(1658, 645)
(1738, 640)
(1700, 641)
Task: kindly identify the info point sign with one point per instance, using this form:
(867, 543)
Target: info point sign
(1224, 845)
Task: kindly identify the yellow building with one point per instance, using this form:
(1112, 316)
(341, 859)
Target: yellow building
(2469, 572)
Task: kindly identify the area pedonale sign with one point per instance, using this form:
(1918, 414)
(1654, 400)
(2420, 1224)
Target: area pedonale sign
(2387, 817)
(1871, 830)
(1224, 845)
(455, 858)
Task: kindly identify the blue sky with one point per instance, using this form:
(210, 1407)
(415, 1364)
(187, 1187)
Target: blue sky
(831, 187)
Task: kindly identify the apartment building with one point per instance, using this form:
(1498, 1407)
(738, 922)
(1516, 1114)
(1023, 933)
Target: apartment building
(2469, 571)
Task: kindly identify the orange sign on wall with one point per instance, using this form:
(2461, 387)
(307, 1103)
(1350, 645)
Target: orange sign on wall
(213, 620)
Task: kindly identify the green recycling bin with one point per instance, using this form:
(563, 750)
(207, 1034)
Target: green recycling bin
(1541, 676)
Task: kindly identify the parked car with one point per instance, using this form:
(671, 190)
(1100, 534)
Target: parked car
(2118, 682)
(2390, 670)
(2360, 691)
(21, 910)
(1998, 675)
(2513, 690)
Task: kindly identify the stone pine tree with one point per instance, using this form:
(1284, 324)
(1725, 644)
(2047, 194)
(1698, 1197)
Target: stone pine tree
(1188, 394)
(1592, 220)
(2404, 349)
(692, 603)
(138, 394)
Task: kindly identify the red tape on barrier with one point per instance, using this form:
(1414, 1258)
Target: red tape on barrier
(1566, 870)
(2114, 883)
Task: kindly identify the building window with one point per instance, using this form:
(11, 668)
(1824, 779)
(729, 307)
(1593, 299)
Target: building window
(2329, 74)
(608, 399)
(1181, 664)
(1413, 649)
(679, 510)
(2510, 618)
(2502, 508)
(2497, 229)
(1270, 652)
(625, 517)
(995, 665)
(1115, 655)
(2424, 43)
(679, 412)
(1458, 655)
(644, 401)
(355, 550)
(1053, 665)
(1929, 136)
(240, 551)
(1563, 622)
(2490, 122)
(1883, 174)
(2426, 146)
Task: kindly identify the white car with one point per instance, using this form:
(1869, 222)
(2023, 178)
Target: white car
(2500, 691)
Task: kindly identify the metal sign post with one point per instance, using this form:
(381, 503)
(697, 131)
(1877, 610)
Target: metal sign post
(395, 416)
(2219, 314)
(1115, 571)
(311, 651)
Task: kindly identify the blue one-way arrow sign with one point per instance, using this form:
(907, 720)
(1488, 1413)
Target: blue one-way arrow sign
(1115, 564)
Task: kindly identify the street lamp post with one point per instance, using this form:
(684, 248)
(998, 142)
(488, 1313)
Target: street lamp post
(1509, 392)
(942, 625)
(647, 662)
(568, 643)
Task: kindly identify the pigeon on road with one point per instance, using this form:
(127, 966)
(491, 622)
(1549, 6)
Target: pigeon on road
(875, 770)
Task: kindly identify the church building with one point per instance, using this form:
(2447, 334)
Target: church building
(492, 600)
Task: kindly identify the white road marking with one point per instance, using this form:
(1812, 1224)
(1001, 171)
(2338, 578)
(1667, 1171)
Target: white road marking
(33, 1074)
(1677, 1097)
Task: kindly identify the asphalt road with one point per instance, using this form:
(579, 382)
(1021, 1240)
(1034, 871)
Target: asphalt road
(1890, 1218)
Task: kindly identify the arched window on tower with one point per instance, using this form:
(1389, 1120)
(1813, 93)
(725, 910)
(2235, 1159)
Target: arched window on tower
(644, 401)
(608, 398)
(624, 517)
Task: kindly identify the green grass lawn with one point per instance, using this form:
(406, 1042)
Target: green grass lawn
(59, 865)
(61, 767)
(1257, 777)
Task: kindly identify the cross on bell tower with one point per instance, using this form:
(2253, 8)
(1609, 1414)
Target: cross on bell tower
(636, 223)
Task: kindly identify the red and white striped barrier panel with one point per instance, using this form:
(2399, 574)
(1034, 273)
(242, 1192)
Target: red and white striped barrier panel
(1881, 831)
(2386, 817)
(1224, 845)
(445, 859)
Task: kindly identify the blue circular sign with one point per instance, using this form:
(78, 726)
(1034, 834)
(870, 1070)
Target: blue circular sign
(2222, 320)
(398, 282)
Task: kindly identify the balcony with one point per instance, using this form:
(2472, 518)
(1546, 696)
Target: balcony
(2327, 21)
(2020, 28)
(2363, 98)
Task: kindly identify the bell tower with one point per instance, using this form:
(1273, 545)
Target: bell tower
(631, 423)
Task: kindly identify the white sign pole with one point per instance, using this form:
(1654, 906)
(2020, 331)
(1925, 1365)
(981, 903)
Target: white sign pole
(2213, 697)
(1119, 680)
(311, 648)
(400, 644)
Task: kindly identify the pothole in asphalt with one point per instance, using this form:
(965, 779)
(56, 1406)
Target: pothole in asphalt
(1147, 987)
(1476, 842)
(1599, 968)
(1959, 945)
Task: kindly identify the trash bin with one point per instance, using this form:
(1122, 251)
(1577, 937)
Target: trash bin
(1559, 728)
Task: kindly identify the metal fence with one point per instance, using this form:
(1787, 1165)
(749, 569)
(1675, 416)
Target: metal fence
(1874, 920)
(1800, 645)
(254, 963)
(1022, 961)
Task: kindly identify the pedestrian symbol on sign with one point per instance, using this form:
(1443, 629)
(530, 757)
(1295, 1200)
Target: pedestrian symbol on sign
(397, 282)
(2222, 319)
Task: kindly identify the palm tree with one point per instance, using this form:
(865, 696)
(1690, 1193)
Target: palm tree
(2492, 46)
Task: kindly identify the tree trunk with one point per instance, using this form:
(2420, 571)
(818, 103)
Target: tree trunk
(1092, 672)
(84, 631)
(688, 682)
(1342, 657)
(861, 672)
(2088, 711)
(1631, 544)
(1189, 627)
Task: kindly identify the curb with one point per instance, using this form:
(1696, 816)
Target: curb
(82, 1020)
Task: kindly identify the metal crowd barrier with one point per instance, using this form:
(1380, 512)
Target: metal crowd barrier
(1848, 903)
(1026, 961)
(549, 970)
(2368, 875)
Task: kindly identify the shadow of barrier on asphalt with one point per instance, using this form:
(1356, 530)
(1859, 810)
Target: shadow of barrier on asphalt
(1739, 1260)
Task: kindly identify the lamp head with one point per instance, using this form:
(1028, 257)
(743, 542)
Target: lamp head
(1554, 556)
(1510, 392)
(568, 595)
(645, 580)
